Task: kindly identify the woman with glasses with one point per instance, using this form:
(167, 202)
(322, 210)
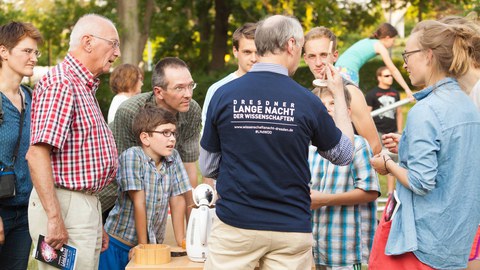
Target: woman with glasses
(350, 62)
(126, 81)
(18, 56)
(438, 171)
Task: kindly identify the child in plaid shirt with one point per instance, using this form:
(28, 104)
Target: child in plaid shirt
(149, 177)
(343, 199)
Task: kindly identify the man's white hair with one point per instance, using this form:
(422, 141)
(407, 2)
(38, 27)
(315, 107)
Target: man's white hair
(88, 24)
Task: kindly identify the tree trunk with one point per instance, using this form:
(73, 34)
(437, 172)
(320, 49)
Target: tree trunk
(421, 6)
(133, 37)
(202, 8)
(219, 48)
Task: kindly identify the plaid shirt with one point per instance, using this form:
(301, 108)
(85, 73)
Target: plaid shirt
(188, 126)
(343, 234)
(137, 171)
(66, 115)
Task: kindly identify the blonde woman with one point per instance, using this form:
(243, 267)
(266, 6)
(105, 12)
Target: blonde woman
(433, 228)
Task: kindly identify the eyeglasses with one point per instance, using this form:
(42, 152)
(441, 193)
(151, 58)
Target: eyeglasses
(406, 54)
(29, 51)
(387, 76)
(166, 133)
(115, 43)
(181, 89)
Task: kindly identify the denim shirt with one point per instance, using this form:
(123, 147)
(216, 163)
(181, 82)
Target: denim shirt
(440, 210)
(8, 139)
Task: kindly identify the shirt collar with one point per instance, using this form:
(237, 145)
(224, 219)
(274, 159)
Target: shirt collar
(270, 67)
(82, 72)
(167, 161)
(426, 91)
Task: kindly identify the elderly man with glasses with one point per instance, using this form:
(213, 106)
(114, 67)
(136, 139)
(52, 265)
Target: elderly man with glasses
(72, 154)
(172, 90)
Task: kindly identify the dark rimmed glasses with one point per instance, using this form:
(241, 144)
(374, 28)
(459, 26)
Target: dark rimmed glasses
(406, 54)
(166, 133)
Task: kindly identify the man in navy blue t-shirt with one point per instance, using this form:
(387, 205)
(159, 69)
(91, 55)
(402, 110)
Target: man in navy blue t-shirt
(255, 143)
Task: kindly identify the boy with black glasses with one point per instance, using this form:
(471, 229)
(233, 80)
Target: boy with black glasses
(150, 177)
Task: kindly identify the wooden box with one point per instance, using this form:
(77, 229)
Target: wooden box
(151, 254)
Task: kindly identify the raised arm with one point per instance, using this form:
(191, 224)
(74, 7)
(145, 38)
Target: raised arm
(362, 120)
(341, 117)
(383, 52)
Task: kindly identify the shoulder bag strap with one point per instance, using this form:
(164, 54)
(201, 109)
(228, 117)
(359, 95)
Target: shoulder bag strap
(1, 109)
(22, 118)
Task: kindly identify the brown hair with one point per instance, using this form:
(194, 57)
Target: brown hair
(124, 78)
(321, 32)
(449, 44)
(471, 22)
(380, 70)
(12, 33)
(383, 31)
(320, 91)
(149, 118)
(245, 31)
(158, 74)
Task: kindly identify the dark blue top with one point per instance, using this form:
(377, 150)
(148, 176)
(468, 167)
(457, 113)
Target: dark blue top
(8, 139)
(262, 124)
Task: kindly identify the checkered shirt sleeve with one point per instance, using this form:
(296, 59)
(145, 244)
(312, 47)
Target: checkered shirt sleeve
(341, 232)
(66, 115)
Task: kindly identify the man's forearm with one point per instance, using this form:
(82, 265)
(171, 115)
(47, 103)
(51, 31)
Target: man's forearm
(39, 163)
(191, 169)
(342, 119)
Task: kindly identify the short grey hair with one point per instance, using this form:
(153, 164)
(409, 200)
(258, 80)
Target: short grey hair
(87, 25)
(273, 33)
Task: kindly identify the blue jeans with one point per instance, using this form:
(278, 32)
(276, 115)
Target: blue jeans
(16, 249)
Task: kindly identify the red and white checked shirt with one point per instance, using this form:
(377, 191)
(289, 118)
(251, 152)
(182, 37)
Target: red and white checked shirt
(66, 115)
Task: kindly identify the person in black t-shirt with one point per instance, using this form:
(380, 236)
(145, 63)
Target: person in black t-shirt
(391, 121)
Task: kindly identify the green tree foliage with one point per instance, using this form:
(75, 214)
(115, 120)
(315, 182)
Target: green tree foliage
(200, 31)
(195, 31)
(8, 12)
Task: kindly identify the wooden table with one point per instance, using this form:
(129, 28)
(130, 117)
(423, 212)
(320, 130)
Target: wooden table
(177, 263)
